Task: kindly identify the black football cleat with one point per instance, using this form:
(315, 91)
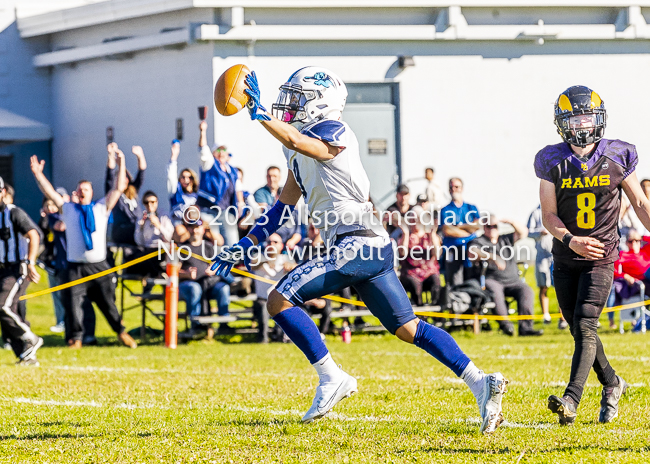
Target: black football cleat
(609, 401)
(564, 408)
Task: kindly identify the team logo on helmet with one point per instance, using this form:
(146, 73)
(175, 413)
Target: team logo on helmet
(320, 78)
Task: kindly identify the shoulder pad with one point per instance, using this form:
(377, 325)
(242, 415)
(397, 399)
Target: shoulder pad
(621, 153)
(549, 157)
(328, 131)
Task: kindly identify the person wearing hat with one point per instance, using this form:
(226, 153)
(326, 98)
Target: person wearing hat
(196, 287)
(220, 194)
(17, 270)
(85, 230)
(502, 275)
(393, 220)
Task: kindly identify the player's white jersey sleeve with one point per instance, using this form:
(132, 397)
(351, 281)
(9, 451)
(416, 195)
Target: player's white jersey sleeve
(336, 191)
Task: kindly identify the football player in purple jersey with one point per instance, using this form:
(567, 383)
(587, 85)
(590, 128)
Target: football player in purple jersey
(580, 192)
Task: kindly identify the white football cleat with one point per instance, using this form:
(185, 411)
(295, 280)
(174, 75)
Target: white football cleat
(329, 394)
(489, 402)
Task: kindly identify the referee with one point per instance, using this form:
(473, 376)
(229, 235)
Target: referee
(86, 224)
(17, 270)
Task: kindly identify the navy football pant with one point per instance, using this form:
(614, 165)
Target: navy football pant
(368, 269)
(582, 291)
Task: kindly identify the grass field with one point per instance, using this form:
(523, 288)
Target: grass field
(225, 401)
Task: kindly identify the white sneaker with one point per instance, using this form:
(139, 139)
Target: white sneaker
(489, 402)
(59, 328)
(329, 394)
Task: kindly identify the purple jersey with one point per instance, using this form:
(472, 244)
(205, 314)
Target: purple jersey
(588, 194)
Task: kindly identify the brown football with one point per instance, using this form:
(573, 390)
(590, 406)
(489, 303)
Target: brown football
(229, 96)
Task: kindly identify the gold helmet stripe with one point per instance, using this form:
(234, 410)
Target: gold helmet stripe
(564, 104)
(596, 102)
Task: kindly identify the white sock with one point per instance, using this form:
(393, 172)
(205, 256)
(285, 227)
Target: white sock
(327, 369)
(473, 377)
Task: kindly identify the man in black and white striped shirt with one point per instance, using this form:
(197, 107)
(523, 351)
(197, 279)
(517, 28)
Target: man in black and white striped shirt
(17, 270)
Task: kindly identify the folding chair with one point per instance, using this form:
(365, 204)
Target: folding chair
(633, 314)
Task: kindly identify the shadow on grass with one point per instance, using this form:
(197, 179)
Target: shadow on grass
(257, 422)
(55, 435)
(507, 450)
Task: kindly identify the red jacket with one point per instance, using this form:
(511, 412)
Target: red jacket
(634, 264)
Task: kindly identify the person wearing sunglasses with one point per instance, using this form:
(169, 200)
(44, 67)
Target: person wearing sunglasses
(151, 232)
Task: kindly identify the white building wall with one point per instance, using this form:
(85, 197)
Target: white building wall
(479, 110)
(479, 118)
(140, 97)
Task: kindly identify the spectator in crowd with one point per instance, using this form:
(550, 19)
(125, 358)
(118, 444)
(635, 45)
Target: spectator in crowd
(393, 219)
(273, 265)
(267, 196)
(291, 231)
(151, 233)
(459, 225)
(183, 234)
(631, 268)
(85, 231)
(220, 192)
(502, 275)
(182, 189)
(251, 209)
(434, 192)
(53, 257)
(423, 202)
(127, 211)
(17, 270)
(9, 195)
(55, 261)
(197, 287)
(23, 245)
(628, 218)
(543, 262)
(420, 271)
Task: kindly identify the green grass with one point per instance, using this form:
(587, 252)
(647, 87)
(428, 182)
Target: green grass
(238, 402)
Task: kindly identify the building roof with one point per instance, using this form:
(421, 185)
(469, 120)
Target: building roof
(115, 10)
(16, 128)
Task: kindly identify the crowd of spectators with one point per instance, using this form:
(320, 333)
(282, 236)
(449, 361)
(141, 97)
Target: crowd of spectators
(436, 233)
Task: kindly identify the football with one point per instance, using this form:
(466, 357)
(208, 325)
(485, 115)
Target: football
(229, 96)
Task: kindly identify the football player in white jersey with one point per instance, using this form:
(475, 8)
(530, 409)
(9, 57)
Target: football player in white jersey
(325, 168)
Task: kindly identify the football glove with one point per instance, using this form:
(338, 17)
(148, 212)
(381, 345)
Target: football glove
(255, 108)
(230, 256)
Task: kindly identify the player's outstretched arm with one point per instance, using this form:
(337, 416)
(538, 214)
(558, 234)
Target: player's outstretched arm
(288, 135)
(291, 138)
(588, 247)
(637, 198)
(266, 225)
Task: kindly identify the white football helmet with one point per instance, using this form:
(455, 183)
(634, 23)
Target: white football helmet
(311, 94)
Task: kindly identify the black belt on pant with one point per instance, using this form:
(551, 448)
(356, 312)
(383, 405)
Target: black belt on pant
(356, 233)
